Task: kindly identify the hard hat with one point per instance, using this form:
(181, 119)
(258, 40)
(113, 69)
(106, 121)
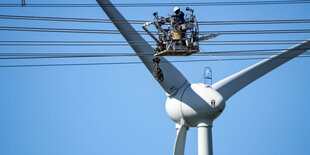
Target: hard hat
(176, 8)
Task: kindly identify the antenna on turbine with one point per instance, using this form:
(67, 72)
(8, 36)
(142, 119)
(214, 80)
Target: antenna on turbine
(207, 76)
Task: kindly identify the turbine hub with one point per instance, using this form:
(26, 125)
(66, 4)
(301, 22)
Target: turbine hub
(194, 104)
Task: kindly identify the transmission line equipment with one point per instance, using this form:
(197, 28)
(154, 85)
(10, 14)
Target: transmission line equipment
(176, 38)
(177, 35)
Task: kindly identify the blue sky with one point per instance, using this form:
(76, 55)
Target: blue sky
(120, 109)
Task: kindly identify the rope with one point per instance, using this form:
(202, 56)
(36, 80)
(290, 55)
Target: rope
(157, 72)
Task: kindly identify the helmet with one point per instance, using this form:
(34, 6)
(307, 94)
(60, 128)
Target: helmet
(176, 8)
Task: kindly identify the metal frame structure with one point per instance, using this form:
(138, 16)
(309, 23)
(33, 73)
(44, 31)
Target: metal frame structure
(175, 39)
(197, 105)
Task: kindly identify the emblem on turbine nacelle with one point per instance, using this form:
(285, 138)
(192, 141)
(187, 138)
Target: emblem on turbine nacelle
(195, 103)
(212, 103)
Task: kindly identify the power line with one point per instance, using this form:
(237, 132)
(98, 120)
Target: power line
(127, 63)
(240, 3)
(62, 19)
(260, 31)
(33, 29)
(124, 44)
(116, 41)
(96, 31)
(101, 56)
(82, 55)
(291, 40)
(246, 22)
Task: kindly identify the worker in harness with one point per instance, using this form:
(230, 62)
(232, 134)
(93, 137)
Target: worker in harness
(177, 34)
(179, 15)
(179, 19)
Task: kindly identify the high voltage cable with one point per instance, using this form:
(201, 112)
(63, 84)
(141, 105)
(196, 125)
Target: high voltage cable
(73, 55)
(62, 19)
(62, 44)
(100, 56)
(246, 22)
(127, 63)
(95, 31)
(70, 19)
(164, 4)
(116, 41)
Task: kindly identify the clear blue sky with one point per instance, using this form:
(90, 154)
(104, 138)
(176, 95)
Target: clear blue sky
(120, 109)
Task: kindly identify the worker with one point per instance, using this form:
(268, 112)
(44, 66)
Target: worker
(179, 15)
(179, 19)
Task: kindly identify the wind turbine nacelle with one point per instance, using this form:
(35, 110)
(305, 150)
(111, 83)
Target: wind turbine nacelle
(194, 104)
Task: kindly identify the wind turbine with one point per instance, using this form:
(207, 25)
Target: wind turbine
(196, 105)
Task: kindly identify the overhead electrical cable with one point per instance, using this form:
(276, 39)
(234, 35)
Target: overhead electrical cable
(96, 31)
(81, 55)
(127, 63)
(70, 19)
(63, 19)
(116, 41)
(100, 56)
(246, 22)
(33, 29)
(165, 4)
(124, 44)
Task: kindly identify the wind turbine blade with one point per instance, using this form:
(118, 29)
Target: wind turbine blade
(179, 144)
(232, 84)
(173, 79)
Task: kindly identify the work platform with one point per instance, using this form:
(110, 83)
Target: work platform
(176, 52)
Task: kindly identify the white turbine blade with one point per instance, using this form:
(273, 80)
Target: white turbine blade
(179, 144)
(173, 79)
(232, 84)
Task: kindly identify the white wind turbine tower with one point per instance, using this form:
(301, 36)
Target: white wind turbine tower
(197, 105)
